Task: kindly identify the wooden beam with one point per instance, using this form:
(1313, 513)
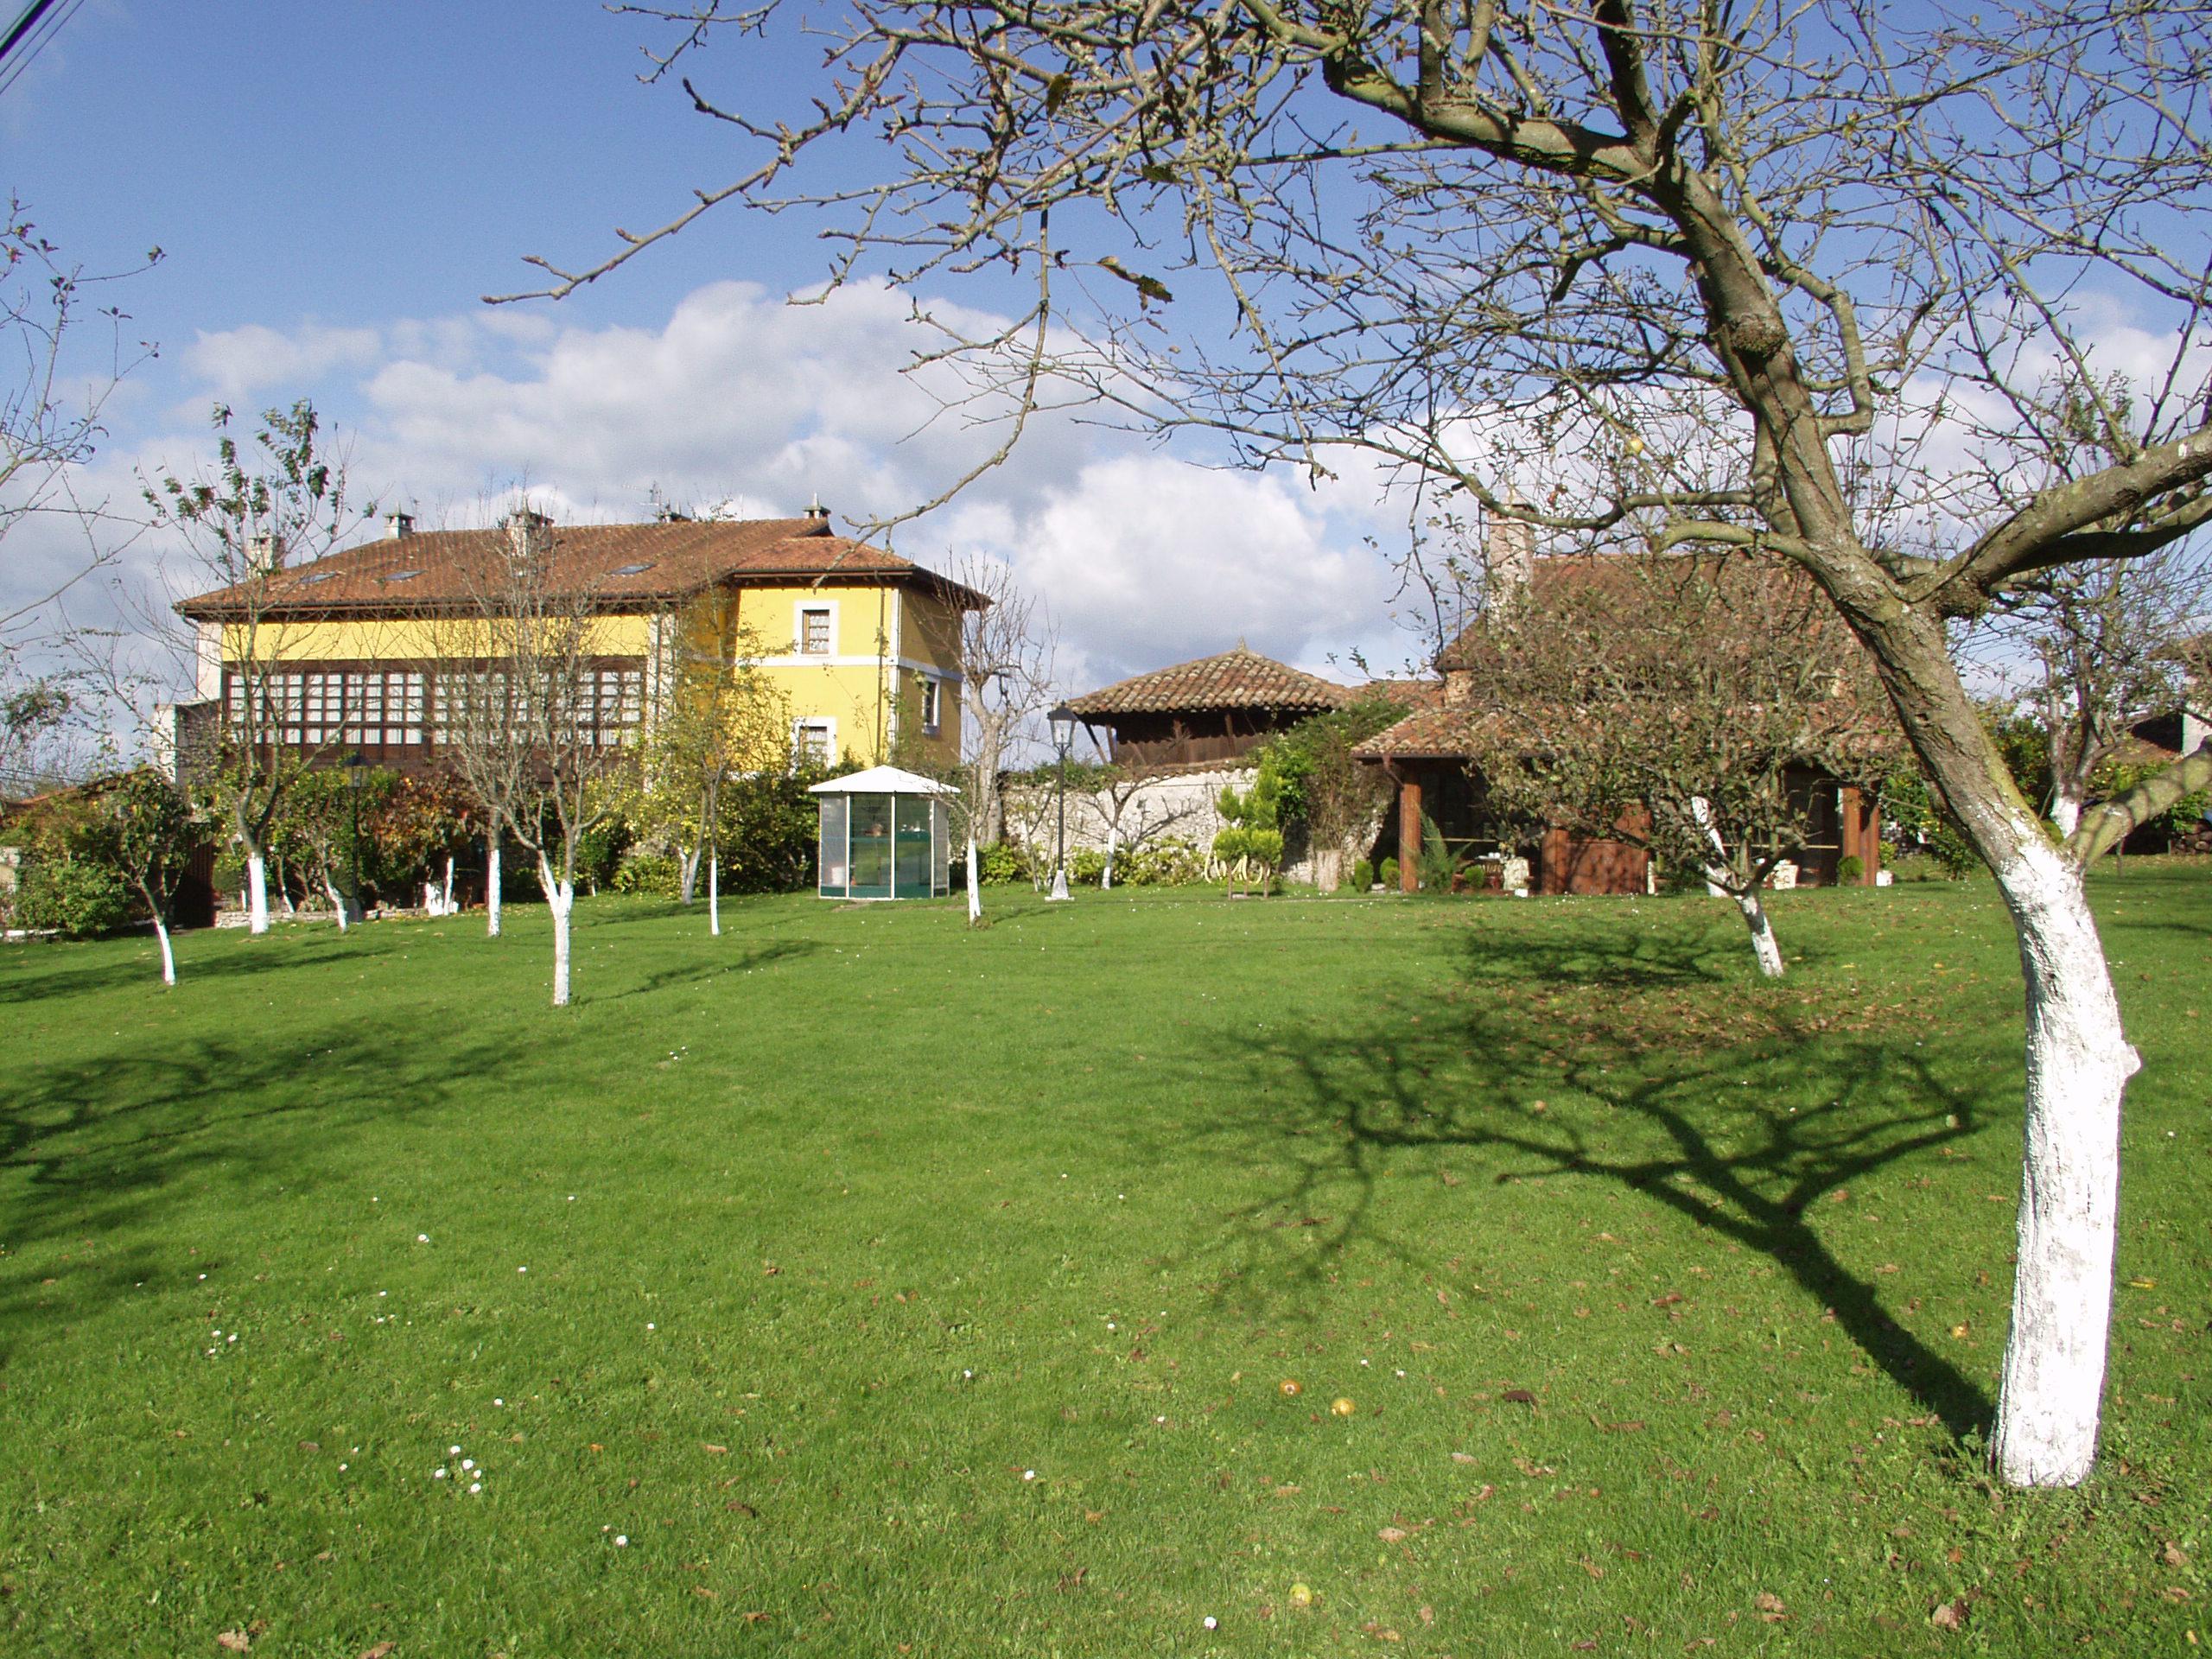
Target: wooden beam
(1410, 834)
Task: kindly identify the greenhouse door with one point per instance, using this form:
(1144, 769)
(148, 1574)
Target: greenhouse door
(914, 850)
(871, 845)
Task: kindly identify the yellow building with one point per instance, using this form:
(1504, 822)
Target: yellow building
(862, 645)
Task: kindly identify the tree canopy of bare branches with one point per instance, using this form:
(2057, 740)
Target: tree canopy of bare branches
(240, 519)
(1676, 704)
(1832, 282)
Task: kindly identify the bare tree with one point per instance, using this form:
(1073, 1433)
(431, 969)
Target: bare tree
(573, 719)
(1007, 649)
(242, 521)
(1684, 270)
(477, 713)
(719, 714)
(56, 375)
(1130, 802)
(2106, 646)
(1675, 703)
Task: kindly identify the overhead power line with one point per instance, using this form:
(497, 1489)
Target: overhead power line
(29, 35)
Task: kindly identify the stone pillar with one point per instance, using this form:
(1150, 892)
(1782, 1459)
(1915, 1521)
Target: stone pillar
(1409, 834)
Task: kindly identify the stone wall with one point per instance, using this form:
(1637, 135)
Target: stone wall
(1180, 803)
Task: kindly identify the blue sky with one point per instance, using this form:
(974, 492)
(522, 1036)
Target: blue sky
(336, 185)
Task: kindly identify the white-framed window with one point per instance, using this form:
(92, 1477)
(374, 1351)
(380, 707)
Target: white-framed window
(311, 707)
(932, 706)
(817, 630)
(814, 742)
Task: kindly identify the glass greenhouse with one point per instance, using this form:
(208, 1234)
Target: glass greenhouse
(885, 834)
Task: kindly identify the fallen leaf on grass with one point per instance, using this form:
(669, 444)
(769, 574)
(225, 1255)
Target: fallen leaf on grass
(234, 1641)
(1771, 1607)
(1464, 1456)
(1949, 1615)
(756, 1618)
(2174, 1555)
(710, 1595)
(719, 1451)
(1518, 1397)
(1392, 1535)
(378, 1651)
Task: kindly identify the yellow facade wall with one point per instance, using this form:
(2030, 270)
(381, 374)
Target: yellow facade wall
(407, 639)
(884, 641)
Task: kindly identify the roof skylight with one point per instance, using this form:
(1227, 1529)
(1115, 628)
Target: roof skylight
(632, 569)
(401, 575)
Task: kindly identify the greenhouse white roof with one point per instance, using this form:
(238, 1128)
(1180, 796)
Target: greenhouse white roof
(882, 780)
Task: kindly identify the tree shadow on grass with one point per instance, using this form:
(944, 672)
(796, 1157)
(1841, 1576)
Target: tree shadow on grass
(101, 1156)
(104, 965)
(1612, 956)
(1539, 1091)
(716, 966)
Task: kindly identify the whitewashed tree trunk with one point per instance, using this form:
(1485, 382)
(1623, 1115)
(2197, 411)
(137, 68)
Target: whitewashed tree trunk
(1113, 845)
(714, 897)
(337, 899)
(1720, 878)
(168, 956)
(2078, 1064)
(2066, 810)
(1763, 945)
(975, 886)
(690, 864)
(257, 891)
(491, 885)
(560, 898)
(446, 906)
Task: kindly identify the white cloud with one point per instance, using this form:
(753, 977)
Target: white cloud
(741, 399)
(242, 363)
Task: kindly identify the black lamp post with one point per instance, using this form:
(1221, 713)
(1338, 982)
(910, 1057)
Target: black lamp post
(1063, 722)
(356, 767)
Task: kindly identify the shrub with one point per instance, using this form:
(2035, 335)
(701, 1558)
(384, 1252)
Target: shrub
(1086, 864)
(1000, 862)
(1167, 861)
(659, 875)
(229, 875)
(1362, 874)
(1388, 873)
(1850, 871)
(74, 897)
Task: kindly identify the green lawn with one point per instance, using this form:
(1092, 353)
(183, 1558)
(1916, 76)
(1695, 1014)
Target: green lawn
(892, 1288)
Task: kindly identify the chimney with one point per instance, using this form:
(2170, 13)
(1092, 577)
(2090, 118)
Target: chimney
(264, 553)
(528, 535)
(1509, 555)
(818, 513)
(400, 525)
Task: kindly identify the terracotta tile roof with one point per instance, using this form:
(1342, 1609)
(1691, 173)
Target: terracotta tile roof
(1431, 733)
(1407, 694)
(1236, 679)
(621, 566)
(1448, 732)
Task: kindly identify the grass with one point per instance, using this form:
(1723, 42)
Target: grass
(893, 1288)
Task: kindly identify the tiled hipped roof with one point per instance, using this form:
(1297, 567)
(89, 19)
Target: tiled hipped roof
(618, 566)
(1236, 679)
